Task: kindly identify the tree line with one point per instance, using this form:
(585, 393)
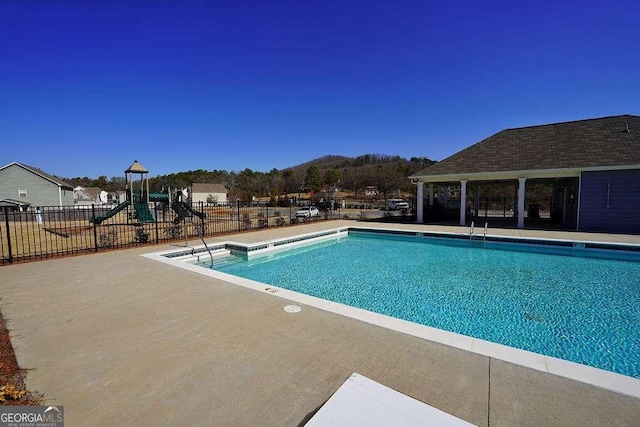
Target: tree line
(387, 173)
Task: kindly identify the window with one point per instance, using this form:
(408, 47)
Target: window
(22, 193)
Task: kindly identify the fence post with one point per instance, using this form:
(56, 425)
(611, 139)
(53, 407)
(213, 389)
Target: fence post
(202, 225)
(95, 228)
(6, 223)
(238, 206)
(155, 209)
(201, 209)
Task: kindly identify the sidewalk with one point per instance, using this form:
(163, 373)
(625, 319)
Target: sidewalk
(119, 339)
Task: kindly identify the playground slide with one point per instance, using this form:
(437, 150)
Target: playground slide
(158, 197)
(184, 210)
(143, 213)
(98, 220)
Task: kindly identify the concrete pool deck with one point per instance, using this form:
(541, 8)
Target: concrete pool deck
(119, 339)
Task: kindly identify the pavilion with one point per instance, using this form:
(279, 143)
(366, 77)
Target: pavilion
(590, 168)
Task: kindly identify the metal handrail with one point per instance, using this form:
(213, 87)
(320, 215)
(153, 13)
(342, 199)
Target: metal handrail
(201, 235)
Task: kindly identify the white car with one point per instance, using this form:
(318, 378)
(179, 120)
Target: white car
(398, 204)
(307, 212)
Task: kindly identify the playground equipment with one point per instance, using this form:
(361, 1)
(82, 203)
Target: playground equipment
(138, 199)
(183, 209)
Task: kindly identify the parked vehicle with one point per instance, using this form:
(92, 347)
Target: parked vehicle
(307, 212)
(398, 205)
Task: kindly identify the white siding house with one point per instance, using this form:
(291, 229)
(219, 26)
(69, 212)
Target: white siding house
(87, 196)
(208, 193)
(116, 197)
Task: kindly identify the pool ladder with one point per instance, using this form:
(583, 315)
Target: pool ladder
(473, 237)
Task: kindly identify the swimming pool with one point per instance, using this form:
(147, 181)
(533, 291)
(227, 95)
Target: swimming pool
(547, 299)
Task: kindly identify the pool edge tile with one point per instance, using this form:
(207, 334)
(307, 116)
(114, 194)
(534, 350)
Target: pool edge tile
(451, 339)
(597, 377)
(510, 354)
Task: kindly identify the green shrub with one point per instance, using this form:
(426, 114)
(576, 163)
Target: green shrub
(141, 236)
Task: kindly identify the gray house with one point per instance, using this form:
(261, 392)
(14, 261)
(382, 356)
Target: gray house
(31, 186)
(590, 168)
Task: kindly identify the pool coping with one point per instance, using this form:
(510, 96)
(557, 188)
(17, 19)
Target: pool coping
(586, 374)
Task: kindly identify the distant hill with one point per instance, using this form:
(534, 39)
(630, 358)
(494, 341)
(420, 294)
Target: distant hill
(329, 161)
(339, 162)
(388, 173)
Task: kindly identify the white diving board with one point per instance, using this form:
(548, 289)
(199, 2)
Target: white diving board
(363, 402)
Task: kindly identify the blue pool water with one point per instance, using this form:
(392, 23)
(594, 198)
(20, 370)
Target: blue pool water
(580, 309)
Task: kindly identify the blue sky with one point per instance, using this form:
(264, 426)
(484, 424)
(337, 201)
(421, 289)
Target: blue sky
(86, 87)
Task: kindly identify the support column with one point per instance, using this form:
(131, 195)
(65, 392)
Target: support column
(521, 182)
(476, 201)
(431, 195)
(420, 203)
(565, 205)
(463, 202)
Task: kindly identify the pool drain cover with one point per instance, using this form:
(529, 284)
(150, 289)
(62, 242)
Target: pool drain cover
(292, 308)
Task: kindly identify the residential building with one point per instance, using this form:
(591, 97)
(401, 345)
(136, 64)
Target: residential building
(32, 186)
(591, 169)
(208, 193)
(87, 196)
(116, 197)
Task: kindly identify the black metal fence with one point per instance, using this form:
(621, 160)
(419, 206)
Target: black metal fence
(53, 231)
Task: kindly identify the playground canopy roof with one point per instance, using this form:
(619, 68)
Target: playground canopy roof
(136, 168)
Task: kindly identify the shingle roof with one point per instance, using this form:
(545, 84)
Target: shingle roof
(9, 203)
(207, 188)
(93, 192)
(43, 174)
(601, 142)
